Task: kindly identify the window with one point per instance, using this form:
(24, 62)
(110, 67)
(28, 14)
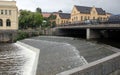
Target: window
(76, 18)
(5, 12)
(58, 21)
(9, 12)
(1, 11)
(62, 21)
(93, 18)
(81, 18)
(85, 18)
(93, 12)
(8, 22)
(1, 22)
(88, 17)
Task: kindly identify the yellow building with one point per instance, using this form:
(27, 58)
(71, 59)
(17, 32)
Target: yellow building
(82, 13)
(8, 15)
(62, 18)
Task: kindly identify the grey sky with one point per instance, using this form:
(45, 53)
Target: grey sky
(111, 6)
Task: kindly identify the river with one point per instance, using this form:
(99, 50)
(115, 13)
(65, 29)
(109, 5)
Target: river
(15, 59)
(57, 54)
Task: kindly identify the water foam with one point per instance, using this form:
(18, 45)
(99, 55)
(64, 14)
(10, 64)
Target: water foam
(27, 67)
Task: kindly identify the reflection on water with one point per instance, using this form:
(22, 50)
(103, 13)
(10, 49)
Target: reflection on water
(15, 60)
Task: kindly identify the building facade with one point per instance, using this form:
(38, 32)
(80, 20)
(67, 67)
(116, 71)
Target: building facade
(82, 13)
(62, 18)
(8, 20)
(8, 15)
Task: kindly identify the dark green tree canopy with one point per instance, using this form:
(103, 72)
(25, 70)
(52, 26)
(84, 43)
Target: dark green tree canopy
(38, 10)
(28, 19)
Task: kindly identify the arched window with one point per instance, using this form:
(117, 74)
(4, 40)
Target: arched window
(8, 22)
(1, 22)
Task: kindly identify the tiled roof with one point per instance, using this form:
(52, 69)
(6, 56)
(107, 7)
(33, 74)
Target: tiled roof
(46, 14)
(64, 15)
(83, 9)
(100, 11)
(86, 10)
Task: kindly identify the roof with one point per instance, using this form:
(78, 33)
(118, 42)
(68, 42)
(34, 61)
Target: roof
(100, 11)
(46, 14)
(64, 15)
(114, 17)
(83, 9)
(86, 10)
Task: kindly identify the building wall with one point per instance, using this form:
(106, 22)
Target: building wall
(76, 16)
(59, 20)
(9, 10)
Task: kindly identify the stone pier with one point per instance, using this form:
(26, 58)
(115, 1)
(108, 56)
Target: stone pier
(92, 34)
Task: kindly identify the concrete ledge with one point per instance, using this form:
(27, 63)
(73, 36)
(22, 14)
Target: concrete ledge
(37, 51)
(103, 66)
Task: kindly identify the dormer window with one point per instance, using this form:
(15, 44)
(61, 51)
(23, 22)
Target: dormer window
(93, 12)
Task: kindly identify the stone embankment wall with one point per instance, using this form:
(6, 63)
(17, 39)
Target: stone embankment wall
(7, 36)
(107, 66)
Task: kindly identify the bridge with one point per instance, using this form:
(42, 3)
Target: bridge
(89, 31)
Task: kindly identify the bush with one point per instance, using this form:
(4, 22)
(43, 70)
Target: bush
(21, 35)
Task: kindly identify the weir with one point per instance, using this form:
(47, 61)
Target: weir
(107, 66)
(37, 51)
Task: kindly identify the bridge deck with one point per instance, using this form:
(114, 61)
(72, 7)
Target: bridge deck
(101, 26)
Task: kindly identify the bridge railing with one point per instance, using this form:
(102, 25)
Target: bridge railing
(93, 22)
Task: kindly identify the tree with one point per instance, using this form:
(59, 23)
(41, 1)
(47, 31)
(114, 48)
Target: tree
(24, 19)
(37, 20)
(60, 11)
(38, 10)
(28, 19)
(52, 17)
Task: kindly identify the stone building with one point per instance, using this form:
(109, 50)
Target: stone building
(8, 15)
(8, 20)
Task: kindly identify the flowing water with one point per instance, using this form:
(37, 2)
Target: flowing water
(63, 53)
(57, 54)
(15, 60)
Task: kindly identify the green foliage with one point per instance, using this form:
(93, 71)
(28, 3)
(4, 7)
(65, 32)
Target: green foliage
(49, 21)
(28, 19)
(21, 35)
(52, 17)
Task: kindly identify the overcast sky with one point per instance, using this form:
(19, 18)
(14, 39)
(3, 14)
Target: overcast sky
(111, 6)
